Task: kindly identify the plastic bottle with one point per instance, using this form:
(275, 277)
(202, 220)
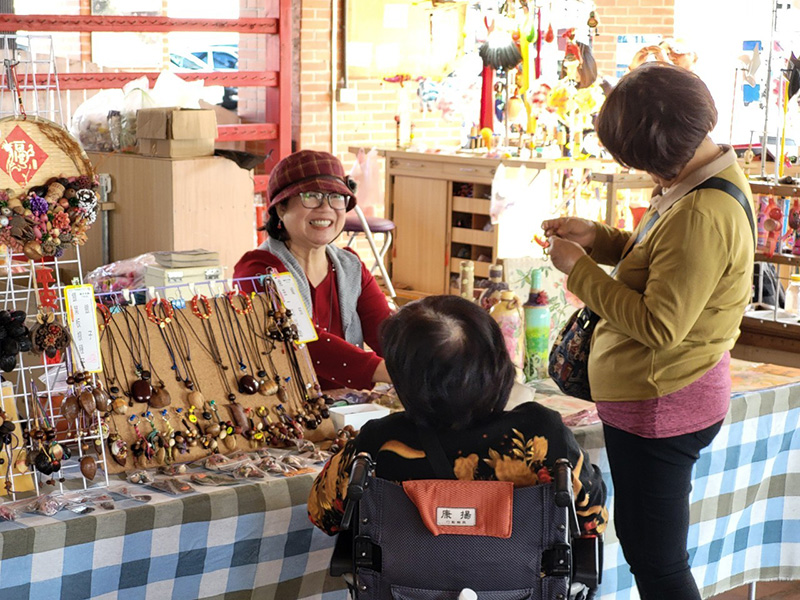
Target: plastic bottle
(491, 295)
(467, 283)
(508, 315)
(537, 330)
(792, 303)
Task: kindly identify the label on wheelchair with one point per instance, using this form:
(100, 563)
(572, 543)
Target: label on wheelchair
(455, 517)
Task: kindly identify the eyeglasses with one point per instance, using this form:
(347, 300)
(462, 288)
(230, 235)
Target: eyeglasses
(336, 200)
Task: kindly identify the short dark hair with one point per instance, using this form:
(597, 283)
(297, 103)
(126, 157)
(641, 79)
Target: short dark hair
(448, 362)
(655, 119)
(271, 226)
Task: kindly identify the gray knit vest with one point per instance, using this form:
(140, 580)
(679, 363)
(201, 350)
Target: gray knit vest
(348, 284)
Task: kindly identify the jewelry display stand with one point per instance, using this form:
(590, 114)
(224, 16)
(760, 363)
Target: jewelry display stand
(38, 386)
(222, 397)
(36, 149)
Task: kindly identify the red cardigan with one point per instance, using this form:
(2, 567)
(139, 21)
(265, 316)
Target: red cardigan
(337, 362)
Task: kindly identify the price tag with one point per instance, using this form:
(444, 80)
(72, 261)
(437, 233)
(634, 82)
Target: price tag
(291, 298)
(82, 320)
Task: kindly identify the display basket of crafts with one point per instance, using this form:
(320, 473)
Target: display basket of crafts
(48, 190)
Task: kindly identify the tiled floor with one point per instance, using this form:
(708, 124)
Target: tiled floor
(765, 590)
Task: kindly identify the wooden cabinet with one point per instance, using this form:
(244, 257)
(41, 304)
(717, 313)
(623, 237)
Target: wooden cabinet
(440, 204)
(176, 204)
(420, 215)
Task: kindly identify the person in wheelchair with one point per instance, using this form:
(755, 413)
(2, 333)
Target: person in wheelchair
(448, 361)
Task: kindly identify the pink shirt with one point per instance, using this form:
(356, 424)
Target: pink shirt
(692, 408)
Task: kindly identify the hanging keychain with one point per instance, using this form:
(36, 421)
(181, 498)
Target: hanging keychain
(48, 335)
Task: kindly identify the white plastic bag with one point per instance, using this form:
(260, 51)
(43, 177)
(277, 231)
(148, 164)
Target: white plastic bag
(137, 96)
(366, 172)
(90, 121)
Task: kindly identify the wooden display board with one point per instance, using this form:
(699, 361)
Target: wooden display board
(209, 381)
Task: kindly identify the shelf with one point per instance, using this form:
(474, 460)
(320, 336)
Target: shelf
(782, 259)
(463, 235)
(763, 187)
(481, 268)
(471, 205)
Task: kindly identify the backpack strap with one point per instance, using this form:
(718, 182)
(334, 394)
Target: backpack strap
(718, 183)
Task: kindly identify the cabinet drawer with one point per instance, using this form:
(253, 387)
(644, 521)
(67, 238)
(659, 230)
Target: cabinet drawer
(477, 206)
(479, 173)
(463, 235)
(481, 268)
(415, 168)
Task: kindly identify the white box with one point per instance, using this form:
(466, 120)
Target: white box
(356, 414)
(177, 280)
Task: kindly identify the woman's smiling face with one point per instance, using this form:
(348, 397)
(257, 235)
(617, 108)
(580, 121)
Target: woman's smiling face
(313, 227)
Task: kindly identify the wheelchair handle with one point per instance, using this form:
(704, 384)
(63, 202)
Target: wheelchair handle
(564, 493)
(563, 481)
(362, 468)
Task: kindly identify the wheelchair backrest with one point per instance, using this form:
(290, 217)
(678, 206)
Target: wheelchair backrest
(398, 558)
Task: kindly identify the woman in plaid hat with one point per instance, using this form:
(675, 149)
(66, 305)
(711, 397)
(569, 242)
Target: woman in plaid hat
(308, 197)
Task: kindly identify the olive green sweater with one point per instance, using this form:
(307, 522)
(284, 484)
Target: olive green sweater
(676, 302)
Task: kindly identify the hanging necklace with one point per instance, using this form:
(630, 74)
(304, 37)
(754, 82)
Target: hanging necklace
(201, 308)
(140, 390)
(247, 384)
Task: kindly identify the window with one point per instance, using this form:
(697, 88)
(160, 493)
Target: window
(223, 60)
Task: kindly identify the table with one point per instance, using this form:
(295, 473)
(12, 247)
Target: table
(248, 542)
(254, 541)
(745, 502)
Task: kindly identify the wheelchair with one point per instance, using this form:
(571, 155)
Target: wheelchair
(385, 551)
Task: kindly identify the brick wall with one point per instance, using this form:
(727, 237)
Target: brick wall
(620, 17)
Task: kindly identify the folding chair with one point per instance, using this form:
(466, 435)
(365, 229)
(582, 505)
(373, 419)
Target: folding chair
(386, 551)
(355, 223)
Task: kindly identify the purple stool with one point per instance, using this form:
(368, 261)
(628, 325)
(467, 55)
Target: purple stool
(356, 222)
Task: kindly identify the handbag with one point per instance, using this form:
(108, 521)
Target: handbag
(568, 364)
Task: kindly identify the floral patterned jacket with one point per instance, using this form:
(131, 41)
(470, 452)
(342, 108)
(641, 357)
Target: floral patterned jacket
(520, 445)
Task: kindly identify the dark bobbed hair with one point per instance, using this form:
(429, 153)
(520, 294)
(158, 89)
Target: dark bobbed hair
(271, 226)
(448, 362)
(655, 119)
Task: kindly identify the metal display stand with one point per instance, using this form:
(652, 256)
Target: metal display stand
(50, 381)
(34, 76)
(29, 88)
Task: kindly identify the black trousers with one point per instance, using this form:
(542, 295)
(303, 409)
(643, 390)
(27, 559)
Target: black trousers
(652, 481)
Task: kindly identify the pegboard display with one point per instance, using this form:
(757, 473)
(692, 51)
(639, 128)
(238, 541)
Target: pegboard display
(212, 374)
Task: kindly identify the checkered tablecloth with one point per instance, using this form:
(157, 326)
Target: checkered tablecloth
(745, 511)
(248, 542)
(254, 541)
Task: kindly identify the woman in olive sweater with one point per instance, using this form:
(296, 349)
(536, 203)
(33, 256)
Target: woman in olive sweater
(658, 366)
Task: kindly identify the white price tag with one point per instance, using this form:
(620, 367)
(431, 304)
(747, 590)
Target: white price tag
(82, 320)
(291, 298)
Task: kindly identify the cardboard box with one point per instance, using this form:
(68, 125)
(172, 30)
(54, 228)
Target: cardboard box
(176, 123)
(176, 132)
(176, 148)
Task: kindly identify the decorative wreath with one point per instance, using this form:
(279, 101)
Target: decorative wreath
(48, 218)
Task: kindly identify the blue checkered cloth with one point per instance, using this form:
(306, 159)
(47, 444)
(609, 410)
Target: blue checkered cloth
(254, 541)
(745, 502)
(249, 542)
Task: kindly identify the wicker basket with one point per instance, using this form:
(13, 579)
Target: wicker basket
(34, 150)
(48, 196)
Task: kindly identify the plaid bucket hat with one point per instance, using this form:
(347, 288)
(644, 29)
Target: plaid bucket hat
(309, 171)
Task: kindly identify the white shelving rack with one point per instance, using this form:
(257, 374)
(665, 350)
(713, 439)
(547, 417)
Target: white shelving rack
(29, 87)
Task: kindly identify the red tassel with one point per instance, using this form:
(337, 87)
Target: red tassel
(487, 98)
